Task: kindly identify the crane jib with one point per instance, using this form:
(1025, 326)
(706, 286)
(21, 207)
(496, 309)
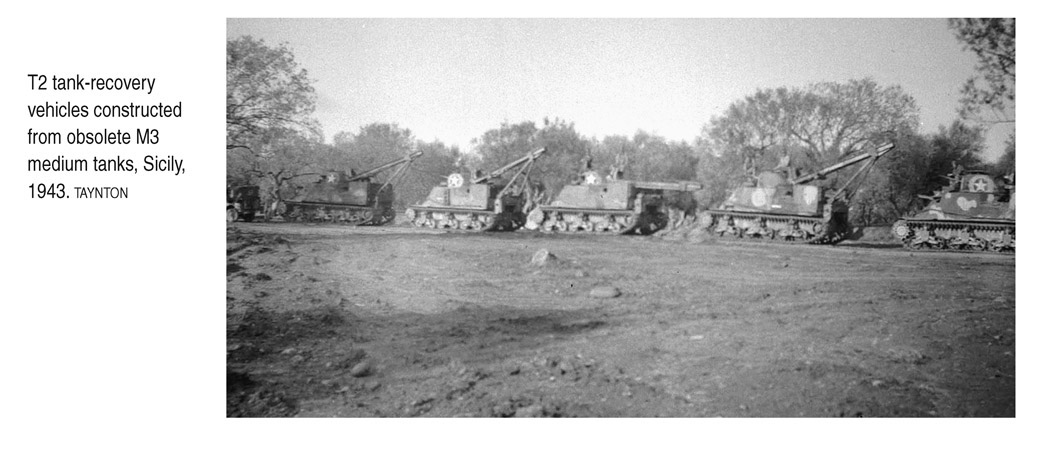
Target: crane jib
(406, 159)
(497, 173)
(880, 151)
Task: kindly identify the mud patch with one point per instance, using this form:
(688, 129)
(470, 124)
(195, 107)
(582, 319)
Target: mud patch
(265, 329)
(246, 398)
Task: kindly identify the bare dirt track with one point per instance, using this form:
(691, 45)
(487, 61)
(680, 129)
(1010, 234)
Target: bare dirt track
(336, 321)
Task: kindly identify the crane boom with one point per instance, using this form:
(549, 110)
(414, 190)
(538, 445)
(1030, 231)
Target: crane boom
(880, 151)
(406, 159)
(499, 172)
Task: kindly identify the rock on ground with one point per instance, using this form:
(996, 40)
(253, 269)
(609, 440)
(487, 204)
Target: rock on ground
(542, 257)
(362, 369)
(530, 411)
(604, 292)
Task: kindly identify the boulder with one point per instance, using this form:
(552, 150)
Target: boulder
(542, 257)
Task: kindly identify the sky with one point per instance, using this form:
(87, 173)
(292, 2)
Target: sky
(453, 79)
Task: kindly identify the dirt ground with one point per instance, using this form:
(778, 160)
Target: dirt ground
(329, 321)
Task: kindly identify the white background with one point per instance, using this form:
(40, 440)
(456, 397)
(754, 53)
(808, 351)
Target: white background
(113, 311)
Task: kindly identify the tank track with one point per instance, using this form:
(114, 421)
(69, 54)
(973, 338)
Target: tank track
(338, 213)
(754, 226)
(463, 219)
(569, 220)
(957, 235)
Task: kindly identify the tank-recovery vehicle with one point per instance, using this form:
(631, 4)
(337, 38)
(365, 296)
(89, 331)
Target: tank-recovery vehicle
(486, 203)
(598, 205)
(352, 199)
(779, 208)
(973, 213)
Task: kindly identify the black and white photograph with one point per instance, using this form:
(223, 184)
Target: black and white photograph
(558, 218)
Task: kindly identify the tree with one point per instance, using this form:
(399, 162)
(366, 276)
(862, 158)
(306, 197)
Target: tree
(1007, 163)
(958, 143)
(814, 125)
(373, 144)
(892, 190)
(837, 119)
(917, 167)
(271, 140)
(994, 88)
(750, 126)
(278, 160)
(649, 157)
(265, 90)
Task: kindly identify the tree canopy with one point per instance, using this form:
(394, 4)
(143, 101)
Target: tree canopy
(278, 160)
(265, 90)
(271, 139)
(813, 125)
(993, 89)
(373, 144)
(917, 167)
(647, 157)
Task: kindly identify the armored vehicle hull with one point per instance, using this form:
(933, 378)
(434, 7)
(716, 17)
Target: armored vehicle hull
(471, 207)
(484, 204)
(789, 210)
(790, 213)
(351, 203)
(350, 199)
(975, 214)
(615, 207)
